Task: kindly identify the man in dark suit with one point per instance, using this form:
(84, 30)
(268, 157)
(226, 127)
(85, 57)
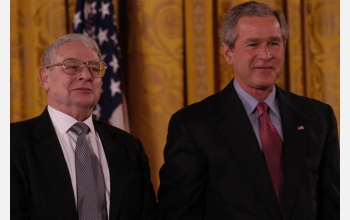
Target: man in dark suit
(218, 154)
(46, 180)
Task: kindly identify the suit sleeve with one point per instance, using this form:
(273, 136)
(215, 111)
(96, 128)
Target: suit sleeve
(183, 174)
(151, 210)
(19, 195)
(329, 184)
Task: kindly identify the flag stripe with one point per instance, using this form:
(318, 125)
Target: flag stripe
(95, 18)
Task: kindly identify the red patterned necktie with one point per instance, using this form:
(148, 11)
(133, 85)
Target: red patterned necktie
(272, 147)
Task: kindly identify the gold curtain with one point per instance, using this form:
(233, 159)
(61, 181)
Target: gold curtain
(172, 58)
(155, 62)
(34, 24)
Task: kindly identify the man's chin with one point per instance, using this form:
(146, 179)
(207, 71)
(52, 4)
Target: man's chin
(265, 85)
(266, 82)
(86, 104)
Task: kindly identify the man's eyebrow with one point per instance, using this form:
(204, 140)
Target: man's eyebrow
(255, 39)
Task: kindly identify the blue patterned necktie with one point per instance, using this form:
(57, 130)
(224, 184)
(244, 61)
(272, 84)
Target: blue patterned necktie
(91, 195)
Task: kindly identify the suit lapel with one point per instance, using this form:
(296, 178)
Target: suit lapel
(237, 130)
(294, 148)
(117, 165)
(51, 159)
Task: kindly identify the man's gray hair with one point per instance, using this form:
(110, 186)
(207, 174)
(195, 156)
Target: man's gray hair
(229, 32)
(50, 53)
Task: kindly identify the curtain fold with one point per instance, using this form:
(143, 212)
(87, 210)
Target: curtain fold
(155, 72)
(33, 26)
(199, 53)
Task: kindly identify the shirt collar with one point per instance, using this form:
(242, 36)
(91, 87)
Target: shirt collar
(249, 102)
(64, 122)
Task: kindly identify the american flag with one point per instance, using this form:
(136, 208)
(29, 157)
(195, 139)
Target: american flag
(96, 19)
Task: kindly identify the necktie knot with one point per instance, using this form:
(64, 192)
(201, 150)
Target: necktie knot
(78, 128)
(262, 108)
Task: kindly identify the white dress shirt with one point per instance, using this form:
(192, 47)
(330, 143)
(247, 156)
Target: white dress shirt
(68, 139)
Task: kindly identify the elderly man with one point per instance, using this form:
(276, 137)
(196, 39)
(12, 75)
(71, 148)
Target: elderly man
(64, 165)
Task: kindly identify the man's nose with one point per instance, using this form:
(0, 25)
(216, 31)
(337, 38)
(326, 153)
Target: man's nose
(85, 72)
(265, 52)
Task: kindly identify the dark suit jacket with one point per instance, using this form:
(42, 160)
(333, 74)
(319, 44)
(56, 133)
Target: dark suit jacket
(214, 168)
(41, 187)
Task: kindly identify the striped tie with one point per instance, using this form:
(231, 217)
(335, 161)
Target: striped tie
(90, 181)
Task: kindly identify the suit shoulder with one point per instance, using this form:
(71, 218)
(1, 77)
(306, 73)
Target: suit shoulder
(303, 100)
(201, 107)
(22, 128)
(309, 106)
(24, 123)
(21, 136)
(120, 139)
(209, 104)
(112, 130)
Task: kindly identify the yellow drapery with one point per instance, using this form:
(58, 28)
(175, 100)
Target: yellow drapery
(172, 58)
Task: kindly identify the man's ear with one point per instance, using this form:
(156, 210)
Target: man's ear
(44, 78)
(226, 51)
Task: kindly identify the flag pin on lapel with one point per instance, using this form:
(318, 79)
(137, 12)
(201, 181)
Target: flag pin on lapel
(300, 127)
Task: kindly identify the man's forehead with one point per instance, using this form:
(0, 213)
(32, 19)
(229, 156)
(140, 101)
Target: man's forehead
(78, 47)
(267, 24)
(255, 20)
(258, 39)
(72, 43)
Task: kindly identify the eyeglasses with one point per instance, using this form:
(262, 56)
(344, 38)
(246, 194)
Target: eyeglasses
(73, 66)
